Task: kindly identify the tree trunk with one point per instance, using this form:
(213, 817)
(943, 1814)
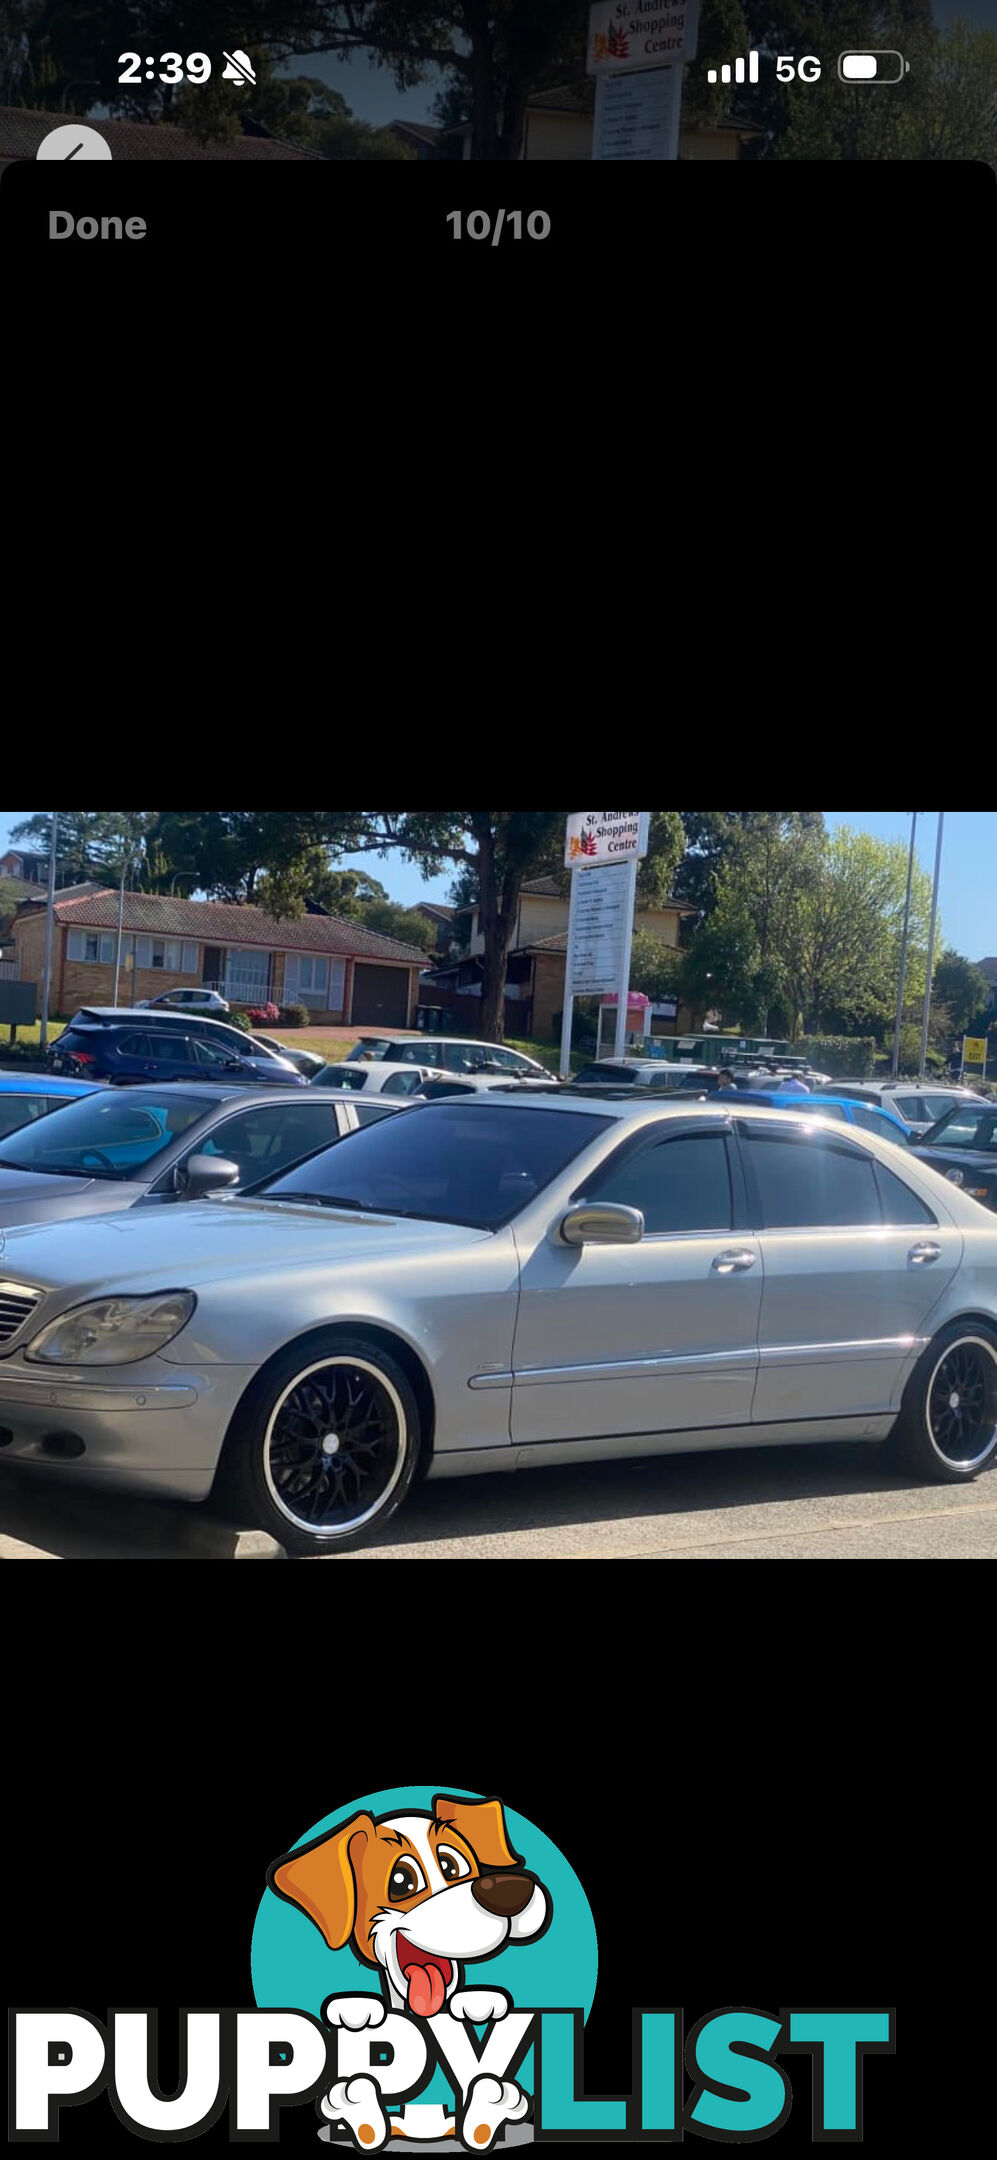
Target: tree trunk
(485, 131)
(497, 913)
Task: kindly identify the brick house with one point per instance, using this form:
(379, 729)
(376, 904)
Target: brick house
(537, 960)
(344, 973)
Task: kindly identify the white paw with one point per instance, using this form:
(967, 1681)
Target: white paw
(357, 2102)
(490, 2103)
(354, 2011)
(478, 2006)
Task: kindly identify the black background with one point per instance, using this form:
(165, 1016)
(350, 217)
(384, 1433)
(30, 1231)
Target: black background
(753, 1783)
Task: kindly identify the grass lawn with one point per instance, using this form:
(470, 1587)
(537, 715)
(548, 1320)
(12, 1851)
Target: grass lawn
(32, 1034)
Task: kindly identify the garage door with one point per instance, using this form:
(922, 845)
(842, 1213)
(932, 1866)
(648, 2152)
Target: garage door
(380, 994)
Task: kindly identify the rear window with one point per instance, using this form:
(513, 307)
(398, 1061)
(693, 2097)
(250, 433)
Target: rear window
(924, 1109)
(369, 1046)
(602, 1076)
(337, 1076)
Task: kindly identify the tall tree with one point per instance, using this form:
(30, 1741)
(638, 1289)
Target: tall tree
(841, 939)
(738, 961)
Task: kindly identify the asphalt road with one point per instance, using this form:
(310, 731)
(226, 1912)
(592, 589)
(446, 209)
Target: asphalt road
(795, 1503)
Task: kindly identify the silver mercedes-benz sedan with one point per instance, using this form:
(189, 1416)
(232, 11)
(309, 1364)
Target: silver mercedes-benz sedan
(499, 1281)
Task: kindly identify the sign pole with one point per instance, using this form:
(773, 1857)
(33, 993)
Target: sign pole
(623, 1007)
(49, 922)
(569, 1002)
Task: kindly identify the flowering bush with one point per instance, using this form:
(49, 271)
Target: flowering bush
(264, 1015)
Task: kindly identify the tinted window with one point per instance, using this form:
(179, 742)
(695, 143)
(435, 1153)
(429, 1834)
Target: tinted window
(809, 1181)
(18, 1110)
(264, 1140)
(132, 1044)
(597, 1075)
(459, 1058)
(209, 1053)
(453, 1162)
(402, 1084)
(678, 1184)
(924, 1108)
(337, 1076)
(900, 1204)
(173, 1049)
(874, 1121)
(128, 1135)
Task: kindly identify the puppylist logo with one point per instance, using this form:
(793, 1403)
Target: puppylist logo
(423, 1965)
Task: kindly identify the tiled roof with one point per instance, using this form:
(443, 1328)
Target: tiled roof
(21, 131)
(224, 922)
(543, 888)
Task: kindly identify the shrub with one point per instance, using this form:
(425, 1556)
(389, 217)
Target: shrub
(294, 1016)
(241, 1020)
(264, 1015)
(845, 1057)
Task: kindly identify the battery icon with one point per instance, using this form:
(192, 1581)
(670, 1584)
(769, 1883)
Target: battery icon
(873, 67)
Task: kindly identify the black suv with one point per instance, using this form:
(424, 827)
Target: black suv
(102, 1043)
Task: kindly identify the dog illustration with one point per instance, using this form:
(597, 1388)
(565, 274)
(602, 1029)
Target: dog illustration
(418, 1895)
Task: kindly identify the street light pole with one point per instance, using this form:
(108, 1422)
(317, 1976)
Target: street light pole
(931, 947)
(49, 922)
(121, 921)
(903, 951)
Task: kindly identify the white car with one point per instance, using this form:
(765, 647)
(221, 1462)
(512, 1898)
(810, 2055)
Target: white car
(205, 1001)
(449, 1053)
(382, 1079)
(439, 1085)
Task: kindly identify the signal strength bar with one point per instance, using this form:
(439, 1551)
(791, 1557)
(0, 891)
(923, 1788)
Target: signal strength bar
(738, 66)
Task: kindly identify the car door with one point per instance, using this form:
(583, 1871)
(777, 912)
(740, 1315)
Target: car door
(651, 1338)
(854, 1261)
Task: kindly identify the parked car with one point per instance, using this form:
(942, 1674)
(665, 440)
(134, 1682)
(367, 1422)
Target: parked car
(306, 1062)
(471, 1277)
(217, 1031)
(919, 1103)
(381, 1079)
(200, 1000)
(27, 1096)
(130, 1050)
(437, 1087)
(125, 1146)
(637, 1072)
(449, 1053)
(963, 1146)
(869, 1117)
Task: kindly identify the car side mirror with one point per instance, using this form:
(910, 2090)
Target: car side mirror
(234, 1064)
(600, 1222)
(202, 1174)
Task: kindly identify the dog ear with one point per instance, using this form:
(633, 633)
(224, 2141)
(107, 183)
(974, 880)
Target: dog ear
(319, 1879)
(482, 1823)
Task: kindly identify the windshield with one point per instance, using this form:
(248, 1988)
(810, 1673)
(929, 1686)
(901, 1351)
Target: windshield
(450, 1162)
(966, 1129)
(105, 1136)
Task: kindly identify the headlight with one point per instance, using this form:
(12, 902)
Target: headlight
(955, 1177)
(113, 1331)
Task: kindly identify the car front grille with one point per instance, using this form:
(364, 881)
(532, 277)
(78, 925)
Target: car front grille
(17, 1303)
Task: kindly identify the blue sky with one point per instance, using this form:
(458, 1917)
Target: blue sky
(968, 902)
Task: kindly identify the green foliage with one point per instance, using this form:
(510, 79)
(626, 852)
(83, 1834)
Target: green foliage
(964, 993)
(846, 1057)
(295, 1016)
(239, 1019)
(655, 968)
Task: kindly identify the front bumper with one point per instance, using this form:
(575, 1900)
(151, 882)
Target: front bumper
(150, 1425)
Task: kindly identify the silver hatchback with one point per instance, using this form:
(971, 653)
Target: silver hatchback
(502, 1281)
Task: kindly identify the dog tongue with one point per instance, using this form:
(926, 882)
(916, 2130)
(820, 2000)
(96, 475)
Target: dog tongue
(425, 1990)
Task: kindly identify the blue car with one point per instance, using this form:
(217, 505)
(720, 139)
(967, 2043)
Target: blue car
(841, 1107)
(143, 1048)
(26, 1096)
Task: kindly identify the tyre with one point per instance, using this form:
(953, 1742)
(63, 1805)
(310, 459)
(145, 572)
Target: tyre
(324, 1446)
(947, 1428)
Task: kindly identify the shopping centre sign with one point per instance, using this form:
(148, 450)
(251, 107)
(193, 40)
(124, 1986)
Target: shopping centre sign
(626, 34)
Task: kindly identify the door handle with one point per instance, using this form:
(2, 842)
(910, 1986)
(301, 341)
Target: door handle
(733, 1263)
(923, 1255)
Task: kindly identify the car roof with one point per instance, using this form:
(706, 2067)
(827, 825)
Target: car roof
(45, 1084)
(138, 1015)
(208, 1091)
(460, 1042)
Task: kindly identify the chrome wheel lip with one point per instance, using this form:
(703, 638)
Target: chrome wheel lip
(958, 1462)
(335, 1532)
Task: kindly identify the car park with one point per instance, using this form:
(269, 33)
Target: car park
(131, 1050)
(963, 1146)
(201, 1000)
(448, 1053)
(479, 1284)
(27, 1096)
(381, 1079)
(869, 1117)
(125, 1146)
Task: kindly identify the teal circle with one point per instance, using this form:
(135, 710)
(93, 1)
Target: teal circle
(294, 1969)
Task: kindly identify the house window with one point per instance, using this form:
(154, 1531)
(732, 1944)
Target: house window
(310, 979)
(94, 946)
(188, 964)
